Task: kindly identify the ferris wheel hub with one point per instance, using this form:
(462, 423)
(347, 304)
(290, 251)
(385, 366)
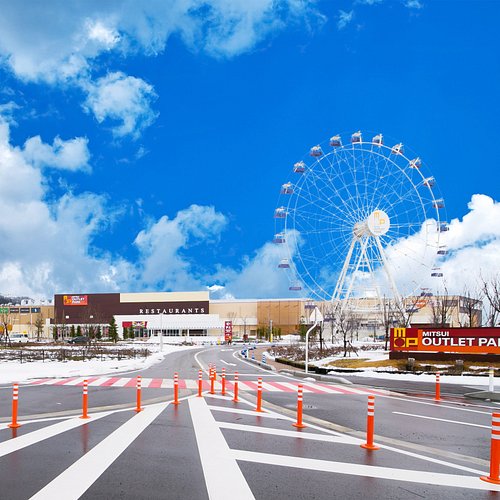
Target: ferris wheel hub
(377, 224)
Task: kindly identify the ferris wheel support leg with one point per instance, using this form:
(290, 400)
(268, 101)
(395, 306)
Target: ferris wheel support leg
(362, 254)
(337, 294)
(397, 297)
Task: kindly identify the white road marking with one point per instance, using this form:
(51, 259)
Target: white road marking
(292, 434)
(121, 382)
(442, 420)
(244, 412)
(216, 458)
(99, 381)
(78, 478)
(34, 437)
(229, 364)
(412, 476)
(77, 381)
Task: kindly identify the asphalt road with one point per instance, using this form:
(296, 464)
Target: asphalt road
(212, 447)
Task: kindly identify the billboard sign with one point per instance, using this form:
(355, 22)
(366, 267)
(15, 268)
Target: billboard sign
(75, 300)
(228, 331)
(460, 340)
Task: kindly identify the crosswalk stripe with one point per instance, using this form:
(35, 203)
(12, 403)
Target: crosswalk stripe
(215, 457)
(243, 385)
(366, 471)
(78, 478)
(34, 437)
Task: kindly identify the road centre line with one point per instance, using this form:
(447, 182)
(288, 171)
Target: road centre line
(434, 404)
(442, 420)
(34, 437)
(216, 457)
(229, 364)
(292, 434)
(78, 478)
(412, 476)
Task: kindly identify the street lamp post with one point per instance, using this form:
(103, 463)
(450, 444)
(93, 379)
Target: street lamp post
(307, 338)
(161, 332)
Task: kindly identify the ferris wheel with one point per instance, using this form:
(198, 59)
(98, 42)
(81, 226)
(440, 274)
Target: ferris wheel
(360, 219)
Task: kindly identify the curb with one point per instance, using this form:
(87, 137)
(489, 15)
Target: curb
(258, 363)
(484, 395)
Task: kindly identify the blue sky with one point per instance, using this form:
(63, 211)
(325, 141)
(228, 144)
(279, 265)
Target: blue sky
(143, 146)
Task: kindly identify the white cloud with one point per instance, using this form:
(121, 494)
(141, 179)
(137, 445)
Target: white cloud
(123, 99)
(72, 154)
(344, 18)
(56, 41)
(61, 43)
(161, 264)
(48, 247)
(414, 4)
(473, 245)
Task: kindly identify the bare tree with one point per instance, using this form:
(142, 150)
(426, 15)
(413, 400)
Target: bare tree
(5, 322)
(403, 311)
(470, 304)
(346, 323)
(491, 290)
(390, 315)
(441, 309)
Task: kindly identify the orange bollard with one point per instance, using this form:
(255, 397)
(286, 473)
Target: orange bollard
(494, 450)
(176, 388)
(259, 395)
(138, 385)
(223, 382)
(212, 381)
(370, 425)
(235, 399)
(15, 396)
(85, 401)
(200, 383)
(299, 423)
(438, 388)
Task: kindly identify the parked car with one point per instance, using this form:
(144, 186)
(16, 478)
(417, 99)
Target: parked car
(79, 340)
(19, 338)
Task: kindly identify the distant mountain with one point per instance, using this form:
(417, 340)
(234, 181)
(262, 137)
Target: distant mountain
(12, 300)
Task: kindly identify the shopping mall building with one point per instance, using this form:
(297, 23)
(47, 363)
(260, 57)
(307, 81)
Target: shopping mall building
(193, 314)
(177, 314)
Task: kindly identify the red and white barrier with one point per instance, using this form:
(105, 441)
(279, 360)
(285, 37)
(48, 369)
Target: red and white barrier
(138, 386)
(494, 451)
(259, 395)
(299, 423)
(235, 399)
(15, 395)
(370, 425)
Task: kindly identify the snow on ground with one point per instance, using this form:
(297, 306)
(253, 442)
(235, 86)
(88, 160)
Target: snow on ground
(409, 377)
(390, 373)
(13, 371)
